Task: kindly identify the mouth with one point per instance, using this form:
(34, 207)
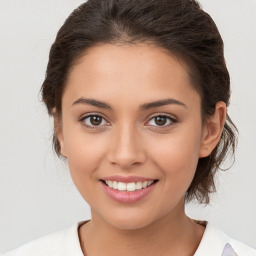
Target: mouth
(128, 186)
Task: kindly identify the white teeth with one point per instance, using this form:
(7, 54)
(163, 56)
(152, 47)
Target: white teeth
(132, 186)
(138, 185)
(144, 184)
(121, 186)
(114, 185)
(109, 183)
(149, 183)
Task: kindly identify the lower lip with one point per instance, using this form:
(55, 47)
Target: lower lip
(128, 197)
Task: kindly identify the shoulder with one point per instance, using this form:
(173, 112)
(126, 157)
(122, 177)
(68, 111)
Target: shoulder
(46, 245)
(60, 243)
(216, 242)
(242, 249)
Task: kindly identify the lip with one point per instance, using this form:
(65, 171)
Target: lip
(127, 196)
(127, 179)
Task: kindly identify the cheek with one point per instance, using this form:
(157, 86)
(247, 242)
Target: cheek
(177, 157)
(84, 154)
(84, 157)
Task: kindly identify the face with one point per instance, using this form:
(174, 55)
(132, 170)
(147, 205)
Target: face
(130, 115)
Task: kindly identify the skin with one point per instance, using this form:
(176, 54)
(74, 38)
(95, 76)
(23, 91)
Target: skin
(129, 141)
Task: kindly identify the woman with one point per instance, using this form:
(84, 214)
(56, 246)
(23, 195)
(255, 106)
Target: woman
(139, 92)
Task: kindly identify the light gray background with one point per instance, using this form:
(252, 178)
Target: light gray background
(36, 194)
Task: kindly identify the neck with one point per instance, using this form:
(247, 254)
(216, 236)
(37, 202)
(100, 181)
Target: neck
(173, 234)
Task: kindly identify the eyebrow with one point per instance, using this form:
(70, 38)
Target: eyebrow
(143, 107)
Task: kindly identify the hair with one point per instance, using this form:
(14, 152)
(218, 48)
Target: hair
(181, 28)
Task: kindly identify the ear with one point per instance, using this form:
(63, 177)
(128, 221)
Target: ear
(59, 132)
(213, 130)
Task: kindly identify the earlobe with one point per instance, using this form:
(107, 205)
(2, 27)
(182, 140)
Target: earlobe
(213, 130)
(59, 134)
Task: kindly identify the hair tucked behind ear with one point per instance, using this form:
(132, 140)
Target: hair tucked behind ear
(181, 28)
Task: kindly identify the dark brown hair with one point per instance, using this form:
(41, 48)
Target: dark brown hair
(181, 28)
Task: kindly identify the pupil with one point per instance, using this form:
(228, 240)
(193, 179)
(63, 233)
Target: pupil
(95, 120)
(161, 120)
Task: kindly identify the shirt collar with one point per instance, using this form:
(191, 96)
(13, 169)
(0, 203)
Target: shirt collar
(213, 241)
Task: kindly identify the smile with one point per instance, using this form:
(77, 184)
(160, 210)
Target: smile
(131, 191)
(131, 186)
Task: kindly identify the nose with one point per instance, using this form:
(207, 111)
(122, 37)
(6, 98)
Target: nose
(126, 148)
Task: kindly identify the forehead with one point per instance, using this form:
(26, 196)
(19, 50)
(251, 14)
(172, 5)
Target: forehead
(128, 72)
(134, 61)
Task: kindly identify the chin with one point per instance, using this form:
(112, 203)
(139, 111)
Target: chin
(130, 220)
(131, 224)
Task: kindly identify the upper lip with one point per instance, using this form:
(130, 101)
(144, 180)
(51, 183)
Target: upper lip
(127, 179)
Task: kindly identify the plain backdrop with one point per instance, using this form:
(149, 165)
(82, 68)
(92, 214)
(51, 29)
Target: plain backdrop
(37, 195)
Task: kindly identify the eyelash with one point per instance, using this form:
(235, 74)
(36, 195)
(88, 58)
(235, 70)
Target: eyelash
(171, 119)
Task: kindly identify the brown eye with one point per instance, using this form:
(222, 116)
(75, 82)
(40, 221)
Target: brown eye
(93, 121)
(162, 120)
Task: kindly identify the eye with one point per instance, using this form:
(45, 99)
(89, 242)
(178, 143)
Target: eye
(162, 120)
(93, 121)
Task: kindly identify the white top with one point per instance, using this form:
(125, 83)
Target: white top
(66, 243)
